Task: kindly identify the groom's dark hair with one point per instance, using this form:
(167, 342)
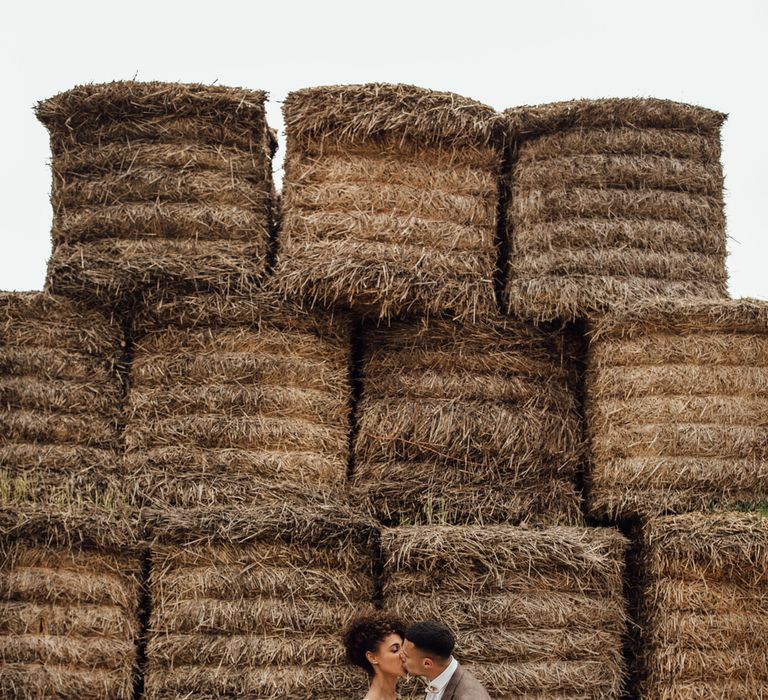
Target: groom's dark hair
(432, 638)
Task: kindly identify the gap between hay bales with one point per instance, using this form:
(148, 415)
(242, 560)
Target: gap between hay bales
(356, 352)
(633, 588)
(144, 613)
(503, 238)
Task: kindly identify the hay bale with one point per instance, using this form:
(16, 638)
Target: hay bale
(677, 399)
(252, 601)
(612, 202)
(389, 200)
(230, 396)
(536, 612)
(60, 400)
(462, 422)
(69, 596)
(705, 608)
(158, 185)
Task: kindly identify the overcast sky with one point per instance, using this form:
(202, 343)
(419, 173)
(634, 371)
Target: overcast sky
(713, 54)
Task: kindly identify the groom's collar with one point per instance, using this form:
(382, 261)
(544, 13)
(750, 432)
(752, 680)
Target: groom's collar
(439, 682)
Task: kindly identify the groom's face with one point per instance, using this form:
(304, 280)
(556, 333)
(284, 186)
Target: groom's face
(414, 661)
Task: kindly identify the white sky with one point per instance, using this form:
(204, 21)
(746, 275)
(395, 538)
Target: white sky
(503, 53)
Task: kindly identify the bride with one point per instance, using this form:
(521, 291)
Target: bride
(373, 642)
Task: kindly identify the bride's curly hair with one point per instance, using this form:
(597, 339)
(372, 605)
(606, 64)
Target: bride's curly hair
(366, 632)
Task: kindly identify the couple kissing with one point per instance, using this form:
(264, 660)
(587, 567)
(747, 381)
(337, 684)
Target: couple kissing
(383, 646)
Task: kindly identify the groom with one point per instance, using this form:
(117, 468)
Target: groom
(427, 651)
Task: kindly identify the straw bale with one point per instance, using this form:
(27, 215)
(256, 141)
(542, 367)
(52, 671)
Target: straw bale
(704, 615)
(35, 681)
(613, 202)
(546, 680)
(253, 616)
(287, 581)
(684, 317)
(51, 364)
(377, 110)
(46, 649)
(536, 612)
(677, 399)
(41, 395)
(248, 649)
(34, 426)
(168, 221)
(551, 610)
(390, 200)
(625, 171)
(110, 271)
(245, 389)
(612, 113)
(190, 476)
(224, 430)
(716, 689)
(61, 393)
(287, 518)
(86, 526)
(93, 109)
(577, 140)
(690, 595)
(288, 682)
(158, 184)
(251, 600)
(653, 265)
(69, 596)
(463, 422)
(195, 157)
(20, 618)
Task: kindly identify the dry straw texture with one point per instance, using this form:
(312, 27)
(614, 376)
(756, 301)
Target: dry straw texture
(705, 619)
(158, 184)
(69, 598)
(251, 602)
(390, 200)
(60, 398)
(231, 395)
(613, 201)
(677, 407)
(464, 422)
(537, 613)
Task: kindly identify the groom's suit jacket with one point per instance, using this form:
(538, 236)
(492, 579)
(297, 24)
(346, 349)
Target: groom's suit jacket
(464, 686)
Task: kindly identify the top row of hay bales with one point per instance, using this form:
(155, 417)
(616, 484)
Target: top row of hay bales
(393, 202)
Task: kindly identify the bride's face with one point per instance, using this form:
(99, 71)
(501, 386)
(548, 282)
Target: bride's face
(387, 656)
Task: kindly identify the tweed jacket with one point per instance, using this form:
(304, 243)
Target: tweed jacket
(464, 686)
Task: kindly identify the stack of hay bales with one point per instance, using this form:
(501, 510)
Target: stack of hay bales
(389, 200)
(705, 619)
(60, 393)
(251, 602)
(464, 422)
(69, 604)
(231, 395)
(158, 184)
(537, 613)
(677, 407)
(613, 201)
